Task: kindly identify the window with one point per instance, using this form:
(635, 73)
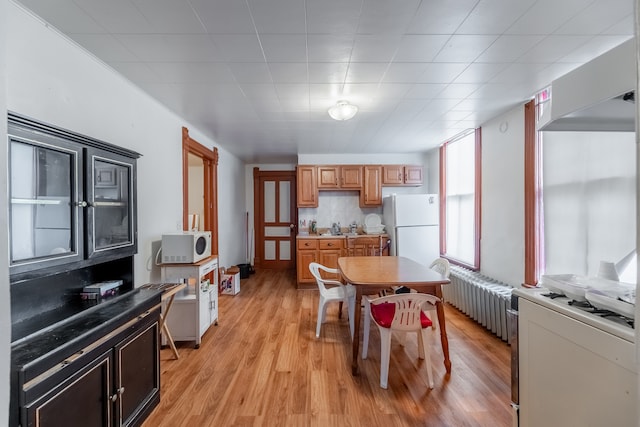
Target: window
(589, 197)
(460, 199)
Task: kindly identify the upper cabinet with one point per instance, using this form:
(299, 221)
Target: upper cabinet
(71, 198)
(397, 175)
(340, 177)
(109, 199)
(371, 194)
(307, 188)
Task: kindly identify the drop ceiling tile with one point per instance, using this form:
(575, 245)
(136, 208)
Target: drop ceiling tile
(463, 48)
(624, 26)
(170, 47)
(440, 16)
(330, 47)
(375, 48)
(442, 72)
(292, 91)
(192, 72)
(117, 16)
(493, 16)
(262, 91)
(250, 72)
(383, 16)
(170, 16)
(66, 16)
(507, 48)
(366, 72)
(546, 16)
(224, 16)
(278, 16)
(327, 72)
(458, 90)
(553, 48)
(333, 16)
(425, 91)
(289, 72)
(518, 73)
(387, 91)
(284, 47)
(106, 47)
(324, 92)
(238, 47)
(594, 47)
(480, 73)
(419, 48)
(404, 72)
(597, 17)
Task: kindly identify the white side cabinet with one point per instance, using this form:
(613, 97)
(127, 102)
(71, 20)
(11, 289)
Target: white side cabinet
(196, 307)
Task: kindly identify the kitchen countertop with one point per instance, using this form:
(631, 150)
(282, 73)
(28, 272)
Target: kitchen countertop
(63, 338)
(341, 236)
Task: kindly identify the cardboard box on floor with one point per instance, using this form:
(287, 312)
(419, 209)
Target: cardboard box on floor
(230, 282)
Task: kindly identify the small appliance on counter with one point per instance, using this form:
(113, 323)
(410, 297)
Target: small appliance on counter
(186, 247)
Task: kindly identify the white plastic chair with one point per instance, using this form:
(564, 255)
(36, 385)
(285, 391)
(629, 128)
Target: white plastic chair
(441, 265)
(403, 313)
(337, 291)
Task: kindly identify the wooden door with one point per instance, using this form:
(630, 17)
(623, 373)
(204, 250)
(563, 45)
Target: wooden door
(275, 218)
(351, 177)
(371, 194)
(392, 174)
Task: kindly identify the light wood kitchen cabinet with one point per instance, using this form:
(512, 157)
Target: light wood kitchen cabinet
(328, 253)
(306, 254)
(338, 177)
(397, 175)
(371, 194)
(367, 245)
(307, 188)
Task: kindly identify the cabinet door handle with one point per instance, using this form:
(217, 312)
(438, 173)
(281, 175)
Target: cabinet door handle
(82, 204)
(329, 244)
(121, 391)
(114, 397)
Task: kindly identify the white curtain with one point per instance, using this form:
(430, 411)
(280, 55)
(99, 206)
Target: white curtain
(588, 200)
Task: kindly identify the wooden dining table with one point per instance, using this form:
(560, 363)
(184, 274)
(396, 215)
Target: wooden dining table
(371, 274)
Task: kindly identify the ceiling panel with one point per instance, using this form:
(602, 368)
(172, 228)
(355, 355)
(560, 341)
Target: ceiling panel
(258, 76)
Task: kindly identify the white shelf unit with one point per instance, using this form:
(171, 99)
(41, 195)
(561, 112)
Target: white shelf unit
(196, 307)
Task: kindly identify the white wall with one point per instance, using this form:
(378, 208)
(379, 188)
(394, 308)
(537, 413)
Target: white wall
(5, 309)
(53, 80)
(502, 244)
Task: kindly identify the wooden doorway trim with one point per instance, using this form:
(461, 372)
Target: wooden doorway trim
(210, 161)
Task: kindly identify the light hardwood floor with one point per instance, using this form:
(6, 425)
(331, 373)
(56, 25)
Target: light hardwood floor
(263, 366)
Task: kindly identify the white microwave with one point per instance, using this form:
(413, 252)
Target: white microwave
(186, 247)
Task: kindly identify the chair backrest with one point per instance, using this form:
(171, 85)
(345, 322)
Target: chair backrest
(441, 265)
(407, 311)
(315, 269)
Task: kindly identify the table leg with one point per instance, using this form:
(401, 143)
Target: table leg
(165, 329)
(356, 331)
(443, 336)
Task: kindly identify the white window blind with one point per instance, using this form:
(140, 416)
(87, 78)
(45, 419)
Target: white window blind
(589, 199)
(460, 199)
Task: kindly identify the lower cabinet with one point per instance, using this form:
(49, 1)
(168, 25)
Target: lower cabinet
(118, 387)
(196, 308)
(306, 254)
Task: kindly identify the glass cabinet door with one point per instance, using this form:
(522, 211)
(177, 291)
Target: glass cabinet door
(44, 208)
(110, 202)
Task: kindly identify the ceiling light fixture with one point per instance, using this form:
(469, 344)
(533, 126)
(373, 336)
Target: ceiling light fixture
(343, 110)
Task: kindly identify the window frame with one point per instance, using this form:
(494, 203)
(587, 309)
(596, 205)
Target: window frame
(477, 200)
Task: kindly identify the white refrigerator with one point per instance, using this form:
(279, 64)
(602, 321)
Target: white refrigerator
(411, 220)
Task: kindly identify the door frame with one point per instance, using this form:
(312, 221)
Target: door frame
(258, 212)
(210, 160)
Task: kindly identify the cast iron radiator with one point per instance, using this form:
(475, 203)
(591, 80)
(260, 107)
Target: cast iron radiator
(484, 299)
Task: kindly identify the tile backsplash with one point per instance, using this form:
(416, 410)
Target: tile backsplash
(337, 206)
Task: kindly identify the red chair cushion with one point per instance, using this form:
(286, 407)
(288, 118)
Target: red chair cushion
(383, 315)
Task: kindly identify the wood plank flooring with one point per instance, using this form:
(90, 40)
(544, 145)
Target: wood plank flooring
(263, 366)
